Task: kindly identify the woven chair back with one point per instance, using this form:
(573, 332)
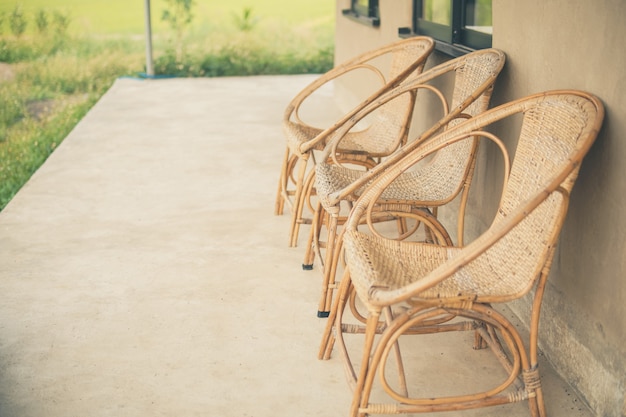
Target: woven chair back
(556, 132)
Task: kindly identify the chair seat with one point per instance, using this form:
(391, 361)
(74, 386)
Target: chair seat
(429, 184)
(388, 265)
(359, 142)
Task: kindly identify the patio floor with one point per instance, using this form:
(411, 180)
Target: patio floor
(144, 274)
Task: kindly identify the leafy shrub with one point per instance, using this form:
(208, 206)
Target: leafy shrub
(179, 16)
(239, 60)
(61, 22)
(42, 21)
(13, 108)
(17, 21)
(246, 21)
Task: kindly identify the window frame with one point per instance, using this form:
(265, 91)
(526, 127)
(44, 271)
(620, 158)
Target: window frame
(368, 15)
(454, 39)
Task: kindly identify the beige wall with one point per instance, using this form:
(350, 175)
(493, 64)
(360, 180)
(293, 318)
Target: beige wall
(580, 44)
(559, 44)
(357, 38)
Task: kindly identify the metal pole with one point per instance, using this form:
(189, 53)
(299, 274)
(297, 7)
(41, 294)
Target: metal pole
(149, 65)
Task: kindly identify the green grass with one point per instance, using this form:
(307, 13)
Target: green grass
(59, 75)
(28, 146)
(127, 17)
(49, 93)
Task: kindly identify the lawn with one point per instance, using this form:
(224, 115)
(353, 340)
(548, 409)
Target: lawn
(126, 17)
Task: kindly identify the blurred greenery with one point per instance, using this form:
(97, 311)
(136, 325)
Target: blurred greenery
(55, 64)
(114, 17)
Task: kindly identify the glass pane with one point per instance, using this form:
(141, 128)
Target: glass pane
(438, 11)
(362, 7)
(478, 16)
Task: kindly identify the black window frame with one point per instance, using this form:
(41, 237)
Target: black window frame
(454, 39)
(368, 15)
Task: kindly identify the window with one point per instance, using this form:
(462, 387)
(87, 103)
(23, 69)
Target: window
(364, 11)
(457, 25)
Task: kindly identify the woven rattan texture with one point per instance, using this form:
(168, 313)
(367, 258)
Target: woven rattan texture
(548, 148)
(442, 177)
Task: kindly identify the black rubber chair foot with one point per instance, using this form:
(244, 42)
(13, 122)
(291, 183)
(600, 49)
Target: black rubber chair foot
(307, 267)
(323, 314)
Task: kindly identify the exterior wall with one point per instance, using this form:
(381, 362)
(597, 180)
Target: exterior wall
(353, 38)
(558, 44)
(579, 44)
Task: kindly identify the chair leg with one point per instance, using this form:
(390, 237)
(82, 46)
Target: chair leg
(297, 203)
(528, 359)
(339, 304)
(523, 373)
(305, 191)
(396, 347)
(361, 395)
(327, 290)
(538, 403)
(308, 192)
(313, 241)
(282, 185)
(337, 253)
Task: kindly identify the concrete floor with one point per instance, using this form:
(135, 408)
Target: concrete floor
(143, 273)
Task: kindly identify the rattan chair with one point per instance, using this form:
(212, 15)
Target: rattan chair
(405, 58)
(448, 289)
(474, 77)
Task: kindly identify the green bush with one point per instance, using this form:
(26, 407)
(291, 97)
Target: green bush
(61, 21)
(12, 105)
(14, 51)
(178, 15)
(42, 21)
(67, 74)
(239, 60)
(246, 21)
(17, 21)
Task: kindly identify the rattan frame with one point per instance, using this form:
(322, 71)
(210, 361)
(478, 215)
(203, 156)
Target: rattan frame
(509, 260)
(475, 74)
(295, 183)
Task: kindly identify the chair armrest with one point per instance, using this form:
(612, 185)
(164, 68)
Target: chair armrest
(292, 109)
(362, 61)
(382, 297)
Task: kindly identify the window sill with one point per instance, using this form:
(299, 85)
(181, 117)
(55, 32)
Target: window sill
(452, 49)
(368, 21)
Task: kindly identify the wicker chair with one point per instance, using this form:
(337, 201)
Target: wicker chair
(446, 289)
(407, 58)
(474, 78)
